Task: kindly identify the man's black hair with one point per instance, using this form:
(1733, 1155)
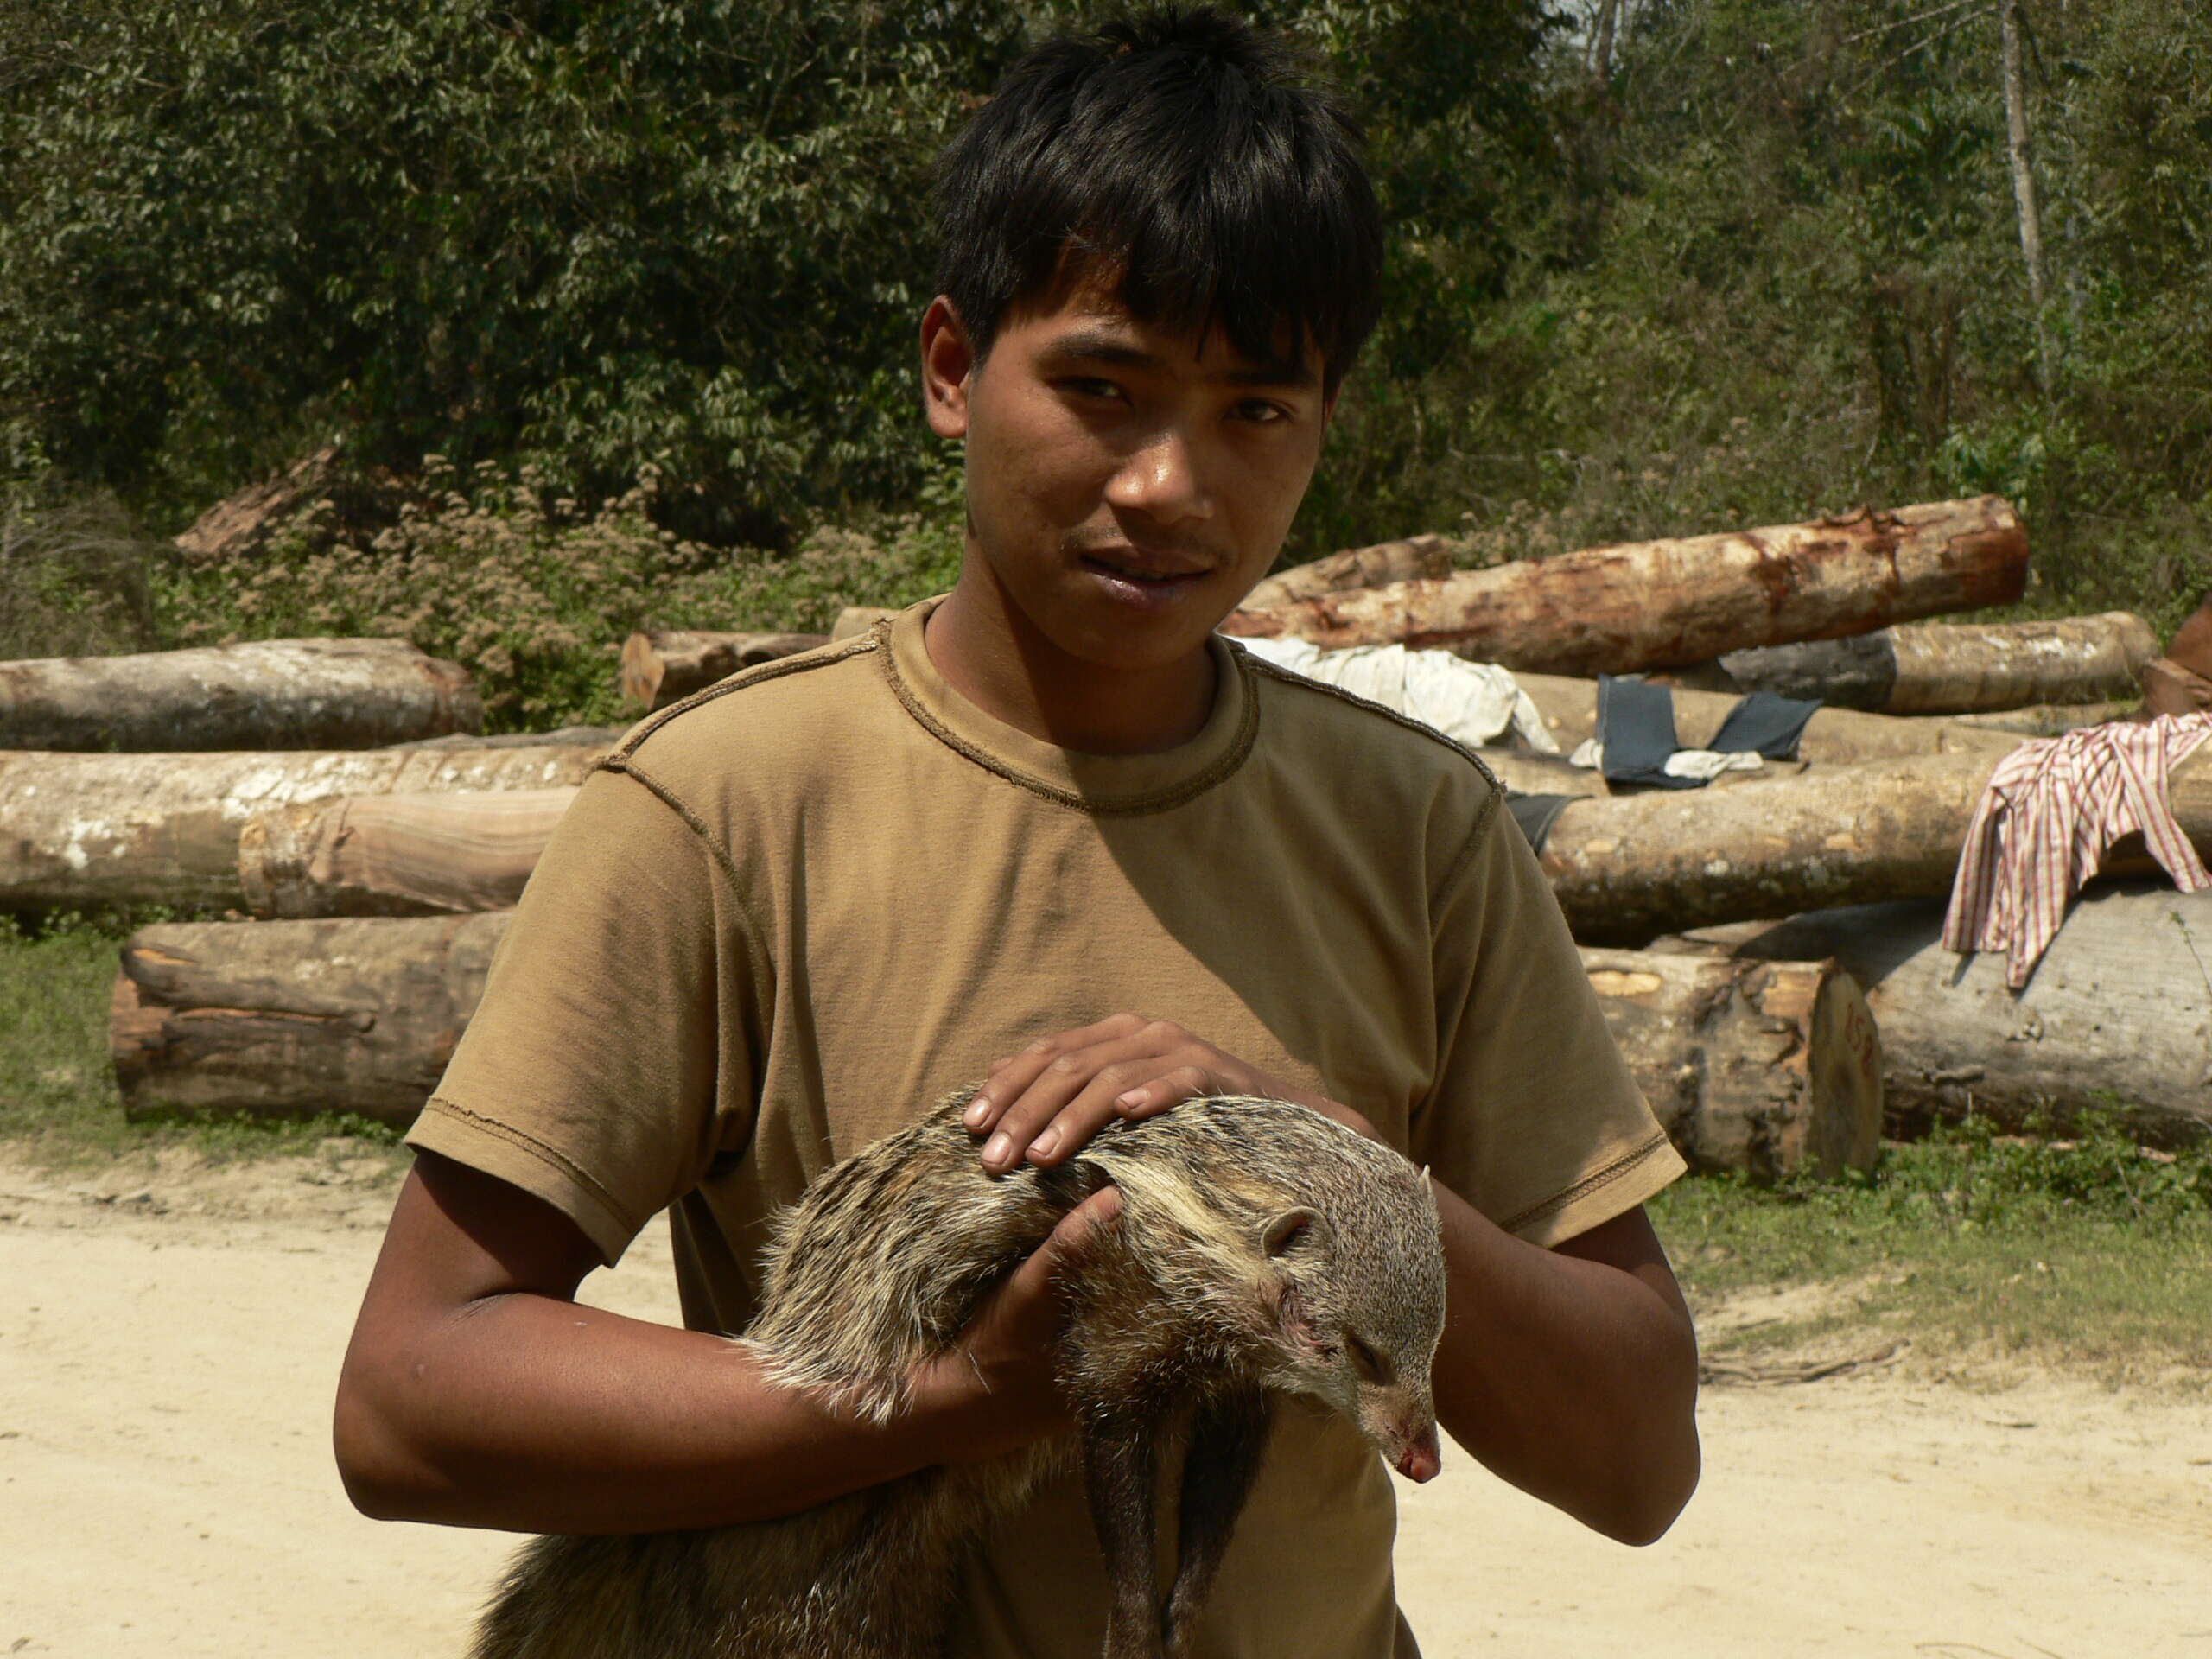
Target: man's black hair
(1184, 154)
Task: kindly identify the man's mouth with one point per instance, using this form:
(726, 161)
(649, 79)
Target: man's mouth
(1130, 566)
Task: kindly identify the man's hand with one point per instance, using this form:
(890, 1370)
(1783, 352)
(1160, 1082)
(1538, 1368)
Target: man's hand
(993, 1389)
(1048, 1101)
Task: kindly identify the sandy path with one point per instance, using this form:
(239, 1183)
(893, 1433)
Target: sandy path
(166, 1358)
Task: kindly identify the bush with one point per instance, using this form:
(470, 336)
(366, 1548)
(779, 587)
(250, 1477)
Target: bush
(534, 592)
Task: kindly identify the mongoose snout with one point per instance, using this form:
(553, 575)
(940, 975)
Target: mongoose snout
(1261, 1246)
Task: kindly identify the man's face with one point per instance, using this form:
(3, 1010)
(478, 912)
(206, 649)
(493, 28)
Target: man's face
(1126, 485)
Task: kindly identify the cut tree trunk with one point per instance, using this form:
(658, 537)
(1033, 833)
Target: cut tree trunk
(274, 694)
(396, 855)
(1628, 868)
(1569, 707)
(1672, 603)
(2054, 719)
(1769, 1073)
(287, 1019)
(2117, 1017)
(85, 831)
(1764, 1068)
(1956, 668)
(238, 524)
(668, 663)
(1415, 557)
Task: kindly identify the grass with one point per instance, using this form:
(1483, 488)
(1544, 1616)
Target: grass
(2090, 1254)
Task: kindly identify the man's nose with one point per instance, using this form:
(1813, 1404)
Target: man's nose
(1163, 479)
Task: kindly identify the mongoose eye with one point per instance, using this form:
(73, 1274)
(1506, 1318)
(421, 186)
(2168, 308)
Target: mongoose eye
(1366, 1361)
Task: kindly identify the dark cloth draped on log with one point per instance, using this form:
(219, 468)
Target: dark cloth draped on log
(1635, 729)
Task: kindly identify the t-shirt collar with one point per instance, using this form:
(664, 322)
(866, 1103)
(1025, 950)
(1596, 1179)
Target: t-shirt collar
(1094, 783)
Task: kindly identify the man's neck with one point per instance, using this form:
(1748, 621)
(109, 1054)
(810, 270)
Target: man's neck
(992, 655)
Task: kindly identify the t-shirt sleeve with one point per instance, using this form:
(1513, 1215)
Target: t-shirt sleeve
(1533, 1117)
(611, 1058)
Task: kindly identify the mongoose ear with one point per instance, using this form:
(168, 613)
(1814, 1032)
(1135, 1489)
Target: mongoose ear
(1285, 1232)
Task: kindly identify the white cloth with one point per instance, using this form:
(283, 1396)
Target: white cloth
(1704, 764)
(1476, 703)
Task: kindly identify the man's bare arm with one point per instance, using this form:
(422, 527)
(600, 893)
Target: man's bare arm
(1571, 1372)
(476, 1393)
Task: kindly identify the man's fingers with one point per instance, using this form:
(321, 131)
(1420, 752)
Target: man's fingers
(1065, 1078)
(1171, 1089)
(1099, 1103)
(1034, 1277)
(1012, 1077)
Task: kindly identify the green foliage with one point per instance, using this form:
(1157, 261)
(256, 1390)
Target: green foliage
(1761, 262)
(534, 591)
(75, 578)
(591, 237)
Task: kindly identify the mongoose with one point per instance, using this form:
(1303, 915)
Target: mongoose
(1260, 1246)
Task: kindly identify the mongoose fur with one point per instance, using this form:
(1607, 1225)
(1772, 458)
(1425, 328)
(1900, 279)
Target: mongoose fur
(1260, 1246)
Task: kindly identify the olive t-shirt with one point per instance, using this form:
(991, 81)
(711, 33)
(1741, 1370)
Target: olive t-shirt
(793, 911)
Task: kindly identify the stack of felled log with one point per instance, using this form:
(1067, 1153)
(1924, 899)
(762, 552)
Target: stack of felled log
(197, 780)
(379, 876)
(1845, 860)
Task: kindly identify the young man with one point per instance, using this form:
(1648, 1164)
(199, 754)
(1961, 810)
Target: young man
(1053, 833)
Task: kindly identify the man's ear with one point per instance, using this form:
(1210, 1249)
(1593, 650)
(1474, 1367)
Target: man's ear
(948, 364)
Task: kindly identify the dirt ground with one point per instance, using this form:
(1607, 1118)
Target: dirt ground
(168, 1340)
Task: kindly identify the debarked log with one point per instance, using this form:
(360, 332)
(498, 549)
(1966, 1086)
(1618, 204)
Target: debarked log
(1628, 868)
(1359, 566)
(288, 1019)
(1570, 709)
(272, 694)
(1761, 1067)
(396, 855)
(1672, 603)
(1771, 1072)
(2117, 1017)
(665, 664)
(85, 831)
(1956, 668)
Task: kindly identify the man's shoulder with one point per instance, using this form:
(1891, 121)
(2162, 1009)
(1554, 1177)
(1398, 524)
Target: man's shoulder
(1358, 739)
(774, 716)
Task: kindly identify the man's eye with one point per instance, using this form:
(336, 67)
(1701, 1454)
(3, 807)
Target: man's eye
(1260, 411)
(1083, 386)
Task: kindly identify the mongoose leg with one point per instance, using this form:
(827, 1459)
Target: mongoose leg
(1119, 1462)
(1229, 1436)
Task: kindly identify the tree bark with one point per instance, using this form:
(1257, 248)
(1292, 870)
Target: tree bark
(1570, 709)
(1956, 668)
(668, 663)
(1628, 868)
(1768, 1073)
(1765, 1068)
(1671, 603)
(2019, 152)
(287, 1019)
(274, 694)
(1415, 557)
(2118, 1015)
(396, 855)
(83, 832)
